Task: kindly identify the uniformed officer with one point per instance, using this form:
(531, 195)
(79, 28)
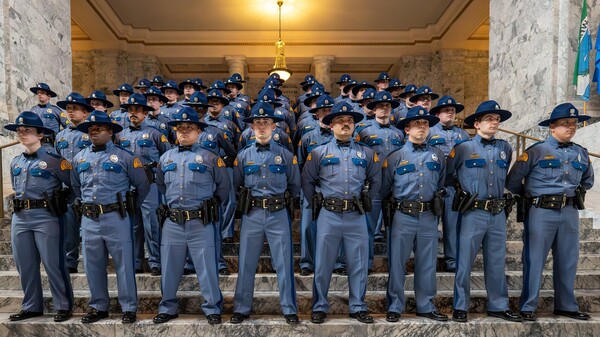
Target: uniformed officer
(444, 135)
(37, 225)
(308, 82)
(384, 138)
(190, 177)
(382, 81)
(120, 115)
(51, 115)
(98, 101)
(367, 97)
(70, 142)
(357, 92)
(424, 97)
(344, 79)
(143, 85)
(156, 119)
(342, 168)
(172, 92)
(74, 100)
(415, 176)
(409, 91)
(157, 82)
(551, 177)
(237, 77)
(395, 88)
(188, 87)
(101, 177)
(478, 167)
(271, 179)
(148, 144)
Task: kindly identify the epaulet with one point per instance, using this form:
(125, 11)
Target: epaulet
(124, 149)
(396, 150)
(536, 144)
(462, 142)
(248, 144)
(54, 155)
(281, 145)
(363, 144)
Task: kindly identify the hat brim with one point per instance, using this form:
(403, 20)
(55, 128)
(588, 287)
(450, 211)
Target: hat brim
(194, 105)
(238, 85)
(14, 127)
(252, 118)
(309, 100)
(145, 107)
(84, 127)
(314, 110)
(435, 109)
(357, 116)
(416, 97)
(223, 100)
(118, 92)
(580, 118)
(161, 98)
(381, 79)
(179, 91)
(182, 85)
(340, 82)
(63, 105)
(202, 125)
(390, 88)
(274, 104)
(394, 104)
(356, 88)
(48, 91)
(431, 119)
(404, 94)
(107, 104)
(504, 115)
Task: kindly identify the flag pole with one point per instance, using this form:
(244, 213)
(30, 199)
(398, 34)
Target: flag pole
(585, 112)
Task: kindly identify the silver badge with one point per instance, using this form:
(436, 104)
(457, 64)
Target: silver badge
(426, 90)
(199, 159)
(184, 116)
(85, 136)
(503, 155)
(579, 158)
(239, 105)
(344, 108)
(359, 154)
(93, 118)
(276, 137)
(210, 137)
(278, 160)
(497, 107)
(265, 97)
(20, 120)
(434, 157)
(227, 113)
(163, 126)
(449, 101)
(114, 158)
(43, 165)
(572, 112)
(145, 136)
(195, 99)
(261, 111)
(421, 112)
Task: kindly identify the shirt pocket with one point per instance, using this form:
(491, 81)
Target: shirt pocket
(62, 145)
(209, 145)
(125, 143)
(475, 163)
(279, 173)
(82, 144)
(404, 169)
(112, 169)
(195, 167)
(437, 141)
(82, 167)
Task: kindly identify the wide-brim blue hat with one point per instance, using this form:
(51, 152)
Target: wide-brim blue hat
(488, 107)
(198, 99)
(345, 78)
(75, 98)
(99, 96)
(383, 97)
(99, 118)
(43, 86)
(219, 85)
(307, 78)
(446, 101)
(262, 110)
(158, 79)
(238, 77)
(424, 91)
(232, 81)
(28, 119)
(395, 84)
(186, 115)
(189, 81)
(564, 110)
(363, 84)
(154, 91)
(383, 76)
(216, 94)
(409, 89)
(342, 109)
(143, 83)
(349, 86)
(137, 100)
(416, 113)
(171, 85)
(125, 87)
(367, 95)
(323, 102)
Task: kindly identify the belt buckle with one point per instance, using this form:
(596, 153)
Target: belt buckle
(100, 209)
(187, 215)
(422, 208)
(345, 205)
(564, 200)
(488, 205)
(27, 203)
(264, 203)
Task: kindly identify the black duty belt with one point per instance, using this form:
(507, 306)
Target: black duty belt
(20, 204)
(550, 201)
(93, 211)
(339, 205)
(493, 206)
(412, 207)
(272, 203)
(180, 216)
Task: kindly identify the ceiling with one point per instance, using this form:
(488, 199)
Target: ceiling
(195, 36)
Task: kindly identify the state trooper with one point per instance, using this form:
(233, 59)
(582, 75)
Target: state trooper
(51, 115)
(306, 85)
(344, 79)
(478, 167)
(143, 85)
(226, 111)
(188, 87)
(148, 144)
(409, 91)
(98, 101)
(237, 77)
(342, 168)
(384, 138)
(367, 97)
(270, 180)
(423, 97)
(444, 136)
(157, 82)
(37, 177)
(155, 118)
(190, 177)
(382, 81)
(103, 176)
(551, 177)
(357, 92)
(172, 92)
(415, 177)
(395, 88)
(70, 142)
(120, 115)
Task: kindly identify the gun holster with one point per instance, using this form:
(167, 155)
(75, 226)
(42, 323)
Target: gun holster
(163, 213)
(77, 209)
(579, 201)
(438, 202)
(131, 202)
(317, 203)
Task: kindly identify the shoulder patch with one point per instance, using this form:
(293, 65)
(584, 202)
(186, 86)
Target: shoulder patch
(523, 157)
(65, 165)
(295, 160)
(164, 139)
(235, 162)
(309, 157)
(385, 163)
(375, 158)
(137, 163)
(452, 153)
(220, 162)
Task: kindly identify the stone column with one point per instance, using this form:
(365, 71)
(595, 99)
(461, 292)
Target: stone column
(322, 66)
(84, 75)
(237, 64)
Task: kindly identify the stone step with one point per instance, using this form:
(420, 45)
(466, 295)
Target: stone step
(10, 280)
(267, 302)
(513, 263)
(547, 325)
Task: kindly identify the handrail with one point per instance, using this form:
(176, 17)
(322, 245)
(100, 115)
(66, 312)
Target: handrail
(2, 147)
(521, 142)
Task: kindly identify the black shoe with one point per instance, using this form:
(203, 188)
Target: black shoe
(381, 239)
(459, 316)
(214, 319)
(128, 317)
(187, 271)
(224, 272)
(163, 318)
(506, 315)
(528, 316)
(155, 271)
(62, 315)
(392, 316)
(238, 318)
(318, 317)
(228, 240)
(24, 314)
(305, 272)
(450, 270)
(434, 315)
(94, 316)
(362, 316)
(292, 319)
(573, 314)
(139, 271)
(341, 271)
(73, 270)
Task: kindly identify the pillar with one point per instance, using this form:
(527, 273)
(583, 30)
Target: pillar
(237, 64)
(322, 67)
